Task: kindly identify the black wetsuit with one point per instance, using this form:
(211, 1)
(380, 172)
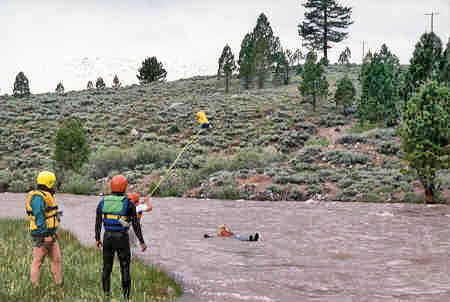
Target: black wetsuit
(117, 241)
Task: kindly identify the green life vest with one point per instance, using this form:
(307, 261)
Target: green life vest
(113, 210)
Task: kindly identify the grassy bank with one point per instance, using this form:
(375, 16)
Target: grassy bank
(82, 268)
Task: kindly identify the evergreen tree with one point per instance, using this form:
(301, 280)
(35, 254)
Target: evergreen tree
(246, 59)
(226, 65)
(426, 133)
(345, 56)
(71, 145)
(59, 88)
(380, 82)
(426, 60)
(151, 71)
(314, 82)
(100, 84)
(90, 85)
(345, 93)
(21, 86)
(267, 47)
(325, 23)
(116, 82)
(445, 65)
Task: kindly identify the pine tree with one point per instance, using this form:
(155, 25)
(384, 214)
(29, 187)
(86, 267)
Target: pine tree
(345, 93)
(151, 71)
(116, 82)
(59, 88)
(325, 23)
(246, 59)
(445, 65)
(267, 47)
(90, 85)
(100, 84)
(345, 56)
(21, 86)
(380, 83)
(425, 135)
(226, 65)
(314, 82)
(426, 60)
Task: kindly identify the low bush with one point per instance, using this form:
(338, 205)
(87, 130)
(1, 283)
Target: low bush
(344, 157)
(79, 184)
(319, 141)
(308, 154)
(4, 180)
(351, 139)
(19, 186)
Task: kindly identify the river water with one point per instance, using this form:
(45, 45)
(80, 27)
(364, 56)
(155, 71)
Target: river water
(340, 252)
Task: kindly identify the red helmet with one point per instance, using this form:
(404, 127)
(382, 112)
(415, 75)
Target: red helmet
(119, 184)
(133, 197)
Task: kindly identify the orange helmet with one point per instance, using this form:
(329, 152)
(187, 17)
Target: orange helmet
(119, 184)
(133, 197)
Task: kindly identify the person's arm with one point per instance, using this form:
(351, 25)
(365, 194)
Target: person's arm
(38, 207)
(132, 216)
(98, 223)
(147, 203)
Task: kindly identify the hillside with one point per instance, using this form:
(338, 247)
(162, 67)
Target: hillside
(265, 144)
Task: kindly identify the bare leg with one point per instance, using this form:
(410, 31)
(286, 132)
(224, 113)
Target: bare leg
(39, 254)
(55, 256)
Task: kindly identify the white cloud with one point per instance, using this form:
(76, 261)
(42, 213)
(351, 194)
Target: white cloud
(42, 37)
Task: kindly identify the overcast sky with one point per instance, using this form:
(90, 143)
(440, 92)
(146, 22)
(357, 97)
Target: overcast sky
(70, 41)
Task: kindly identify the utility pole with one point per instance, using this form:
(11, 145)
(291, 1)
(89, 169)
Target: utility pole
(432, 18)
(363, 44)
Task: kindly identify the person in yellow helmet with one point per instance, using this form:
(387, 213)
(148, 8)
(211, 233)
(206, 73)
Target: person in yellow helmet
(44, 221)
(202, 120)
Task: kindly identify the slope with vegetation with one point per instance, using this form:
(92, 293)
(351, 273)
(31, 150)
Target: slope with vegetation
(265, 144)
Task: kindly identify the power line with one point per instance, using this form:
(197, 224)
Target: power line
(432, 18)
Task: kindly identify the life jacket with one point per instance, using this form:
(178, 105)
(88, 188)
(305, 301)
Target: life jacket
(225, 233)
(113, 209)
(50, 211)
(201, 117)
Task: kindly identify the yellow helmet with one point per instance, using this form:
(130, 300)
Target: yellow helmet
(46, 178)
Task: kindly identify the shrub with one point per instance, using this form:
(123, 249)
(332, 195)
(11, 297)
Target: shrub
(151, 71)
(344, 157)
(388, 148)
(21, 86)
(18, 186)
(90, 85)
(319, 141)
(79, 184)
(5, 178)
(351, 139)
(100, 84)
(109, 159)
(71, 145)
(308, 154)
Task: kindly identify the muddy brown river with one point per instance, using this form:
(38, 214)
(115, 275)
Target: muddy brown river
(339, 252)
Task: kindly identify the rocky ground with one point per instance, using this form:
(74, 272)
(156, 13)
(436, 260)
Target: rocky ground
(265, 144)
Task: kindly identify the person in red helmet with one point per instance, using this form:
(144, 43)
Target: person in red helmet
(116, 213)
(141, 207)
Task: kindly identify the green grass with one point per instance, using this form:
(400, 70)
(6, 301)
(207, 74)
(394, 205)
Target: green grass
(82, 269)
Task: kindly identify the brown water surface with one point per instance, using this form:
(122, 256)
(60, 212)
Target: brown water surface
(340, 252)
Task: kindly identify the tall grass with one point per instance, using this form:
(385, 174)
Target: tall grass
(82, 269)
